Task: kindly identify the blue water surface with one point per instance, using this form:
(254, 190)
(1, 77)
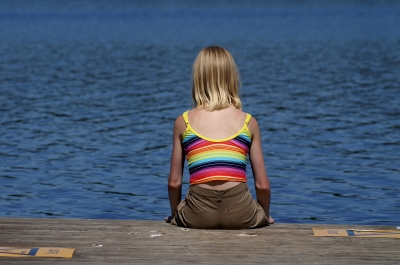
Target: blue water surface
(89, 91)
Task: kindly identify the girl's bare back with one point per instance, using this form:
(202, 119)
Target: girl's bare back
(217, 125)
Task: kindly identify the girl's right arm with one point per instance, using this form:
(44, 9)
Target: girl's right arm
(176, 168)
(261, 181)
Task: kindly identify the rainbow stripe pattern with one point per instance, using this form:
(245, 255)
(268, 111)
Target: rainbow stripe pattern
(210, 159)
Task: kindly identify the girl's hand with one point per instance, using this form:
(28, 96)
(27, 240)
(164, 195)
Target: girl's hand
(168, 219)
(271, 220)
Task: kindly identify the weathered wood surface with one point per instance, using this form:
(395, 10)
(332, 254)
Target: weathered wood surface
(155, 242)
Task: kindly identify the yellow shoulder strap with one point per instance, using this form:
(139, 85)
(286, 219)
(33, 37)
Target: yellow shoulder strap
(185, 117)
(248, 118)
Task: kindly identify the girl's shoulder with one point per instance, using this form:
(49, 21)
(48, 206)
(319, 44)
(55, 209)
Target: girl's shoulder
(180, 124)
(253, 126)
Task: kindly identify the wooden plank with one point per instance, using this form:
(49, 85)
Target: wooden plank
(155, 242)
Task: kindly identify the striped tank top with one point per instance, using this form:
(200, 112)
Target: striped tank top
(210, 159)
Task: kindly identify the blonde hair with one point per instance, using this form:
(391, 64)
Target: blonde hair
(216, 80)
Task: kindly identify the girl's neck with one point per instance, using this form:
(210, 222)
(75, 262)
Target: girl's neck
(204, 109)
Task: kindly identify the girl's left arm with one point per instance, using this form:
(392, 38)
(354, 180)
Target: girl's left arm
(176, 168)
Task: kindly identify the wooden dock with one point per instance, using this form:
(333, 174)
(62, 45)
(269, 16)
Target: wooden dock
(155, 242)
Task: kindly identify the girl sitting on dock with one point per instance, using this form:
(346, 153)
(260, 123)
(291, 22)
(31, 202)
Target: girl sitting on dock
(216, 137)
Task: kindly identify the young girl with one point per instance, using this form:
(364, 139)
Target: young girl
(216, 137)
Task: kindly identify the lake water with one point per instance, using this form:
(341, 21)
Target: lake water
(89, 91)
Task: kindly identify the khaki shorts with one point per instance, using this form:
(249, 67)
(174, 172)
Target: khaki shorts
(233, 208)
